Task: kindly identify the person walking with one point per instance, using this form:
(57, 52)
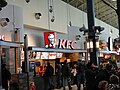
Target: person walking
(58, 73)
(74, 74)
(49, 76)
(90, 74)
(66, 75)
(80, 74)
(6, 76)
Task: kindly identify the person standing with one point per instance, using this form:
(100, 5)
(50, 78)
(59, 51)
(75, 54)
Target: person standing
(80, 73)
(58, 73)
(74, 74)
(49, 76)
(90, 74)
(66, 75)
(6, 76)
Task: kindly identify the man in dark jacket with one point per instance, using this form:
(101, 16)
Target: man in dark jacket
(66, 75)
(80, 73)
(90, 74)
(49, 76)
(6, 76)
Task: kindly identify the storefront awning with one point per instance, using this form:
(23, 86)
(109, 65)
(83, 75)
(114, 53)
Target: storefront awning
(10, 44)
(55, 50)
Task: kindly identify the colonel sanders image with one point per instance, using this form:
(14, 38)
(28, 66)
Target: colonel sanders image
(50, 40)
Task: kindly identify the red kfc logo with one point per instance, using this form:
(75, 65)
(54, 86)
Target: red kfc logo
(50, 39)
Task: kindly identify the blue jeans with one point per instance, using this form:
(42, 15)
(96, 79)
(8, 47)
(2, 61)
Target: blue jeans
(68, 82)
(49, 82)
(80, 78)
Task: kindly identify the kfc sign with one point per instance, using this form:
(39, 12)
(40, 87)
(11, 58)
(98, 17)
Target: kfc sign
(50, 39)
(69, 44)
(2, 37)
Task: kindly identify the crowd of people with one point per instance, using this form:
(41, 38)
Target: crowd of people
(89, 75)
(92, 77)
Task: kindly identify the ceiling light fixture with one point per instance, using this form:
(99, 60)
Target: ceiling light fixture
(4, 22)
(77, 37)
(51, 9)
(3, 3)
(83, 29)
(69, 24)
(38, 15)
(27, 1)
(52, 19)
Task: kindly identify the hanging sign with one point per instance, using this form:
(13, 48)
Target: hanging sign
(50, 39)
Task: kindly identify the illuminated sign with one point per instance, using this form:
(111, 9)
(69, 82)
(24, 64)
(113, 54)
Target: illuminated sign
(107, 56)
(68, 44)
(2, 37)
(50, 39)
(59, 55)
(44, 55)
(52, 55)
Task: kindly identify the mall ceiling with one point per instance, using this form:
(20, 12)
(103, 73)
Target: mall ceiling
(102, 9)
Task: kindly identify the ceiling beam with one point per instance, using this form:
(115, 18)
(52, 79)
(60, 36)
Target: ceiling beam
(71, 1)
(106, 15)
(110, 17)
(102, 15)
(109, 4)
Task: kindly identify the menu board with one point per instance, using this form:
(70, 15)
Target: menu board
(52, 55)
(32, 55)
(59, 55)
(44, 55)
(38, 55)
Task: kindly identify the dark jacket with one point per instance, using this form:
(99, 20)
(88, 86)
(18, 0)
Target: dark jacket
(90, 79)
(49, 71)
(65, 70)
(6, 75)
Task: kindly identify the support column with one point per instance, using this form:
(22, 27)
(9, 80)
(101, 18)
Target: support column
(17, 50)
(26, 58)
(91, 31)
